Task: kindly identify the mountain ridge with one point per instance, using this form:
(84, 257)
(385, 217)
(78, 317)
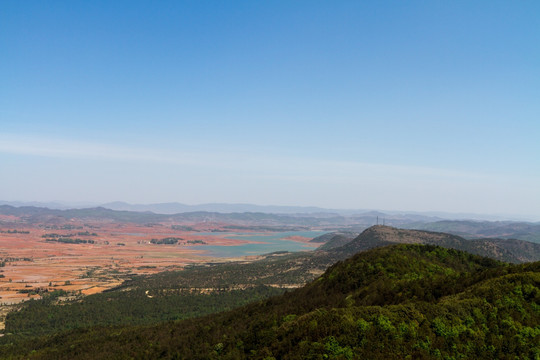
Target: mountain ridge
(177, 207)
(510, 250)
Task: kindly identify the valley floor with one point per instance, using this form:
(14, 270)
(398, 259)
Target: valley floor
(88, 258)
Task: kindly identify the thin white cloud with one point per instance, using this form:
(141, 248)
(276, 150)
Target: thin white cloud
(267, 166)
(61, 148)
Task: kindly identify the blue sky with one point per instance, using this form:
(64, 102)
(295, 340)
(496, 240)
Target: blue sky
(417, 105)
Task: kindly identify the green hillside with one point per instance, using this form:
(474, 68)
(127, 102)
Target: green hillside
(204, 290)
(172, 295)
(336, 241)
(396, 302)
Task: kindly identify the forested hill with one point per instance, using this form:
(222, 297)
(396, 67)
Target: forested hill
(395, 302)
(202, 290)
(510, 250)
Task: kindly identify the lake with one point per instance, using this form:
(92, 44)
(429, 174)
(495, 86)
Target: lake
(269, 243)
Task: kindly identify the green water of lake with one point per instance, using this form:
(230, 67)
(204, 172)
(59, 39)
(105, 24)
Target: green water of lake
(267, 243)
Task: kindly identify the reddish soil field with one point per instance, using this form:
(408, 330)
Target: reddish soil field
(31, 263)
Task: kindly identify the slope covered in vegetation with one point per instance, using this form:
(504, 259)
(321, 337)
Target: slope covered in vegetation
(401, 301)
(204, 290)
(172, 295)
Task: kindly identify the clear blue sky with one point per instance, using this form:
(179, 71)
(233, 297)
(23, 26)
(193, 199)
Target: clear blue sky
(405, 105)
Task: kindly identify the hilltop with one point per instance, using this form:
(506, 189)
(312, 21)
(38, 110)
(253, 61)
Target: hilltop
(510, 250)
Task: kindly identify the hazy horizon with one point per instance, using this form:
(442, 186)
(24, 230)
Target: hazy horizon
(420, 106)
(272, 208)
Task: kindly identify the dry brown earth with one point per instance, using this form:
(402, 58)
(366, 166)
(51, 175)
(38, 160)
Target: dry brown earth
(34, 265)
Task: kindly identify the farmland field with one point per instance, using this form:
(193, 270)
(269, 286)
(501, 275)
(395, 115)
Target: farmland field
(91, 257)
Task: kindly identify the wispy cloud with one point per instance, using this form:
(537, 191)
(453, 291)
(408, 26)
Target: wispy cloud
(71, 149)
(284, 167)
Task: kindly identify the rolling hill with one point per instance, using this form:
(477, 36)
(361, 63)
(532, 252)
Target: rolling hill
(202, 290)
(510, 250)
(395, 302)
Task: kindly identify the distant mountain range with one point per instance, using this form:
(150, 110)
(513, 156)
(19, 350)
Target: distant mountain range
(56, 205)
(484, 229)
(264, 221)
(176, 208)
(299, 221)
